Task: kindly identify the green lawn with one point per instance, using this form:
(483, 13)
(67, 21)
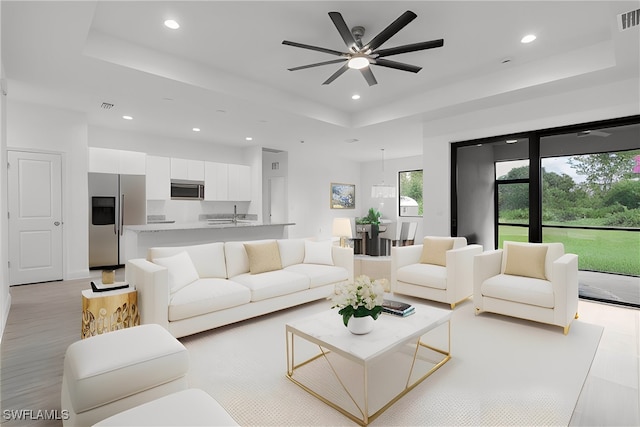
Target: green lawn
(598, 250)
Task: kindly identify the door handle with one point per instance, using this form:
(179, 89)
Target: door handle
(56, 223)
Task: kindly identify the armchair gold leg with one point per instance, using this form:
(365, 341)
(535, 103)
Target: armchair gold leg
(453, 306)
(566, 329)
(576, 315)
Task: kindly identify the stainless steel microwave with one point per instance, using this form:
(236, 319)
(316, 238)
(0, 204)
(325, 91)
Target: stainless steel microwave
(185, 190)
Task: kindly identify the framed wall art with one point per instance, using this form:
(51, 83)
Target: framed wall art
(343, 196)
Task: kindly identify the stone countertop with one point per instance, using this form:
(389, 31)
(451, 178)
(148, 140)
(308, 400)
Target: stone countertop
(199, 225)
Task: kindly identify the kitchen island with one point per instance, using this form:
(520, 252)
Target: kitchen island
(138, 238)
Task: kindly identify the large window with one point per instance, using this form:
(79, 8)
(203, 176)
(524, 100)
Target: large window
(591, 203)
(579, 185)
(410, 200)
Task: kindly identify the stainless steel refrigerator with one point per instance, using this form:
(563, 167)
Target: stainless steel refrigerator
(114, 201)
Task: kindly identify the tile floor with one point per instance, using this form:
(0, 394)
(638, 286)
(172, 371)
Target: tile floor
(610, 396)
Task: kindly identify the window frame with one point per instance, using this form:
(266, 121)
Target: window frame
(400, 215)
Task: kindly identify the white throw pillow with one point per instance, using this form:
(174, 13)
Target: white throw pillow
(317, 252)
(181, 270)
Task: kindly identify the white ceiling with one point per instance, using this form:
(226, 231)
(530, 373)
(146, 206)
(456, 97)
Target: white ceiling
(225, 69)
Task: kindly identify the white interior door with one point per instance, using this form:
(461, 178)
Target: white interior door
(35, 217)
(277, 200)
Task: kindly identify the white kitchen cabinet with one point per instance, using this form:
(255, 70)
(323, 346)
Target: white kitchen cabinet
(216, 181)
(192, 170)
(239, 183)
(106, 160)
(158, 178)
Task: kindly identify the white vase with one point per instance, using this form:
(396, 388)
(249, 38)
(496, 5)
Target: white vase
(360, 325)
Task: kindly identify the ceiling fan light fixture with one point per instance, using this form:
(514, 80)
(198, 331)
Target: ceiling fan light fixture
(358, 62)
(171, 24)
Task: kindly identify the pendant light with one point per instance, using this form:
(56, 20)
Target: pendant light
(382, 191)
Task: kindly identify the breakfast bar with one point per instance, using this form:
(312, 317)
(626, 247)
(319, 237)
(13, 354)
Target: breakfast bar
(138, 238)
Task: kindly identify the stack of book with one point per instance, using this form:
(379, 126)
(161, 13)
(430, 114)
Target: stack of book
(98, 286)
(397, 308)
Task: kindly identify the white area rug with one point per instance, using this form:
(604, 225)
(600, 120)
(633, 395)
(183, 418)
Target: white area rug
(503, 371)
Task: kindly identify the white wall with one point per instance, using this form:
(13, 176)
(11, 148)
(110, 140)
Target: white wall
(619, 99)
(311, 172)
(40, 128)
(5, 296)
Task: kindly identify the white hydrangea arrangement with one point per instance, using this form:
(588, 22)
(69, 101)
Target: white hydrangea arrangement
(359, 299)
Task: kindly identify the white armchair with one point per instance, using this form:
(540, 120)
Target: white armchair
(440, 269)
(533, 281)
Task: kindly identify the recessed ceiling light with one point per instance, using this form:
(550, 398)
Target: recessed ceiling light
(170, 23)
(249, 138)
(528, 38)
(196, 129)
(356, 96)
(127, 117)
(511, 141)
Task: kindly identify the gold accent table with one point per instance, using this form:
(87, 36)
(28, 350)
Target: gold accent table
(108, 311)
(363, 375)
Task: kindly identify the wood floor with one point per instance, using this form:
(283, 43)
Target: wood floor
(45, 318)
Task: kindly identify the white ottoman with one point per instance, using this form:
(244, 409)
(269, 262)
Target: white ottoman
(110, 373)
(192, 407)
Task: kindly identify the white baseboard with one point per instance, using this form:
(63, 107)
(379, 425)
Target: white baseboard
(5, 315)
(79, 274)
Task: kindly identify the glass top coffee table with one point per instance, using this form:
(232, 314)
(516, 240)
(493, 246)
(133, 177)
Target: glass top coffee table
(363, 375)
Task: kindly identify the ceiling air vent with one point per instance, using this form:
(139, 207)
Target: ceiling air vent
(629, 20)
(106, 106)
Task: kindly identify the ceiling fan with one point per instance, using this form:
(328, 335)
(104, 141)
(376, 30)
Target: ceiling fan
(361, 55)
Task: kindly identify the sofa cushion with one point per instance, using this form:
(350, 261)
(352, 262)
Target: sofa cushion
(181, 270)
(320, 275)
(428, 275)
(526, 259)
(205, 296)
(236, 257)
(291, 251)
(434, 250)
(318, 252)
(525, 290)
(272, 283)
(191, 407)
(263, 257)
(208, 259)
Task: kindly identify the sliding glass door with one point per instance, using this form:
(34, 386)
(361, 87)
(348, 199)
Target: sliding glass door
(579, 185)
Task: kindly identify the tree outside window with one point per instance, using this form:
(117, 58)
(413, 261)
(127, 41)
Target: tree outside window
(410, 200)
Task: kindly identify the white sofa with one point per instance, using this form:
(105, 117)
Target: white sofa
(190, 289)
(440, 269)
(534, 281)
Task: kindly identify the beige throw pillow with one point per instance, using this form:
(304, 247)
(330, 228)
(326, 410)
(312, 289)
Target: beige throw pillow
(263, 257)
(526, 260)
(434, 250)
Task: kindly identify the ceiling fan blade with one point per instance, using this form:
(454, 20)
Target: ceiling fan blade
(337, 74)
(334, 61)
(368, 76)
(410, 48)
(397, 65)
(388, 32)
(344, 31)
(316, 48)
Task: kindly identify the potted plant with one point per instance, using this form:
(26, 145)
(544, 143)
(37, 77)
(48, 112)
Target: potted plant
(373, 217)
(360, 303)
